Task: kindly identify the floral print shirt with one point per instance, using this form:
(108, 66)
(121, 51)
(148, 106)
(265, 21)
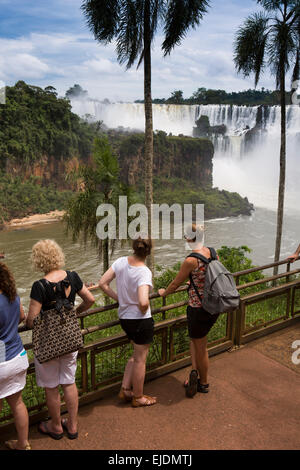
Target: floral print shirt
(198, 276)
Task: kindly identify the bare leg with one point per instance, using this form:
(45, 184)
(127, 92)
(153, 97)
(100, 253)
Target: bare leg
(193, 357)
(53, 403)
(71, 399)
(201, 357)
(127, 377)
(139, 371)
(139, 368)
(20, 413)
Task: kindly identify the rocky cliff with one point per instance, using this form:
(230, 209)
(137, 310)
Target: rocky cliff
(174, 157)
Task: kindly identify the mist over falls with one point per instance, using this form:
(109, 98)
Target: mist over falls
(246, 150)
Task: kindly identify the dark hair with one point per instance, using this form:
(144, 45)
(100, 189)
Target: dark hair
(142, 247)
(7, 283)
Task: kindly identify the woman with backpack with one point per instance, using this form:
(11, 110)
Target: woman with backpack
(134, 281)
(200, 321)
(13, 358)
(47, 257)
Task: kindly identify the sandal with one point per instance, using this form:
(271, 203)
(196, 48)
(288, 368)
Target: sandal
(202, 388)
(122, 395)
(54, 435)
(71, 435)
(11, 445)
(191, 387)
(149, 401)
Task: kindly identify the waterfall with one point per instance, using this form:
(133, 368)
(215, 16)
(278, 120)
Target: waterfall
(246, 157)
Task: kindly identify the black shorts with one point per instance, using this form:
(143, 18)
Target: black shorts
(200, 322)
(139, 331)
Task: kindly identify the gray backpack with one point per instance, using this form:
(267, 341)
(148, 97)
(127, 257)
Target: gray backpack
(220, 292)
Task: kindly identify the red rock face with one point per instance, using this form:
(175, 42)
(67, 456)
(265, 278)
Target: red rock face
(47, 170)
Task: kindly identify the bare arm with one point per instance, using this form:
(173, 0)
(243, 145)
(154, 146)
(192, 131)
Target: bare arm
(293, 257)
(104, 284)
(34, 310)
(88, 300)
(22, 314)
(186, 268)
(143, 296)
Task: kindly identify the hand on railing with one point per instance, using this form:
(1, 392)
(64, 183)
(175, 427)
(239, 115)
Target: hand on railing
(293, 258)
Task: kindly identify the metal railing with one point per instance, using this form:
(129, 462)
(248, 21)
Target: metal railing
(267, 304)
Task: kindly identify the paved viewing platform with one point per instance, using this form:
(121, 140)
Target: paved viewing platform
(254, 403)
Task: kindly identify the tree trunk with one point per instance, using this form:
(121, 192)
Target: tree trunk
(148, 125)
(281, 192)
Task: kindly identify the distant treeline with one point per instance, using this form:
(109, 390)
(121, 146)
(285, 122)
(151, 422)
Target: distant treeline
(208, 96)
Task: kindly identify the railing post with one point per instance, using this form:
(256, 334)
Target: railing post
(239, 318)
(288, 269)
(84, 372)
(164, 303)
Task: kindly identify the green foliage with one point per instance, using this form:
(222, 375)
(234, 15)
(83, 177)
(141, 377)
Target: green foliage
(235, 260)
(19, 198)
(216, 203)
(76, 92)
(166, 276)
(35, 123)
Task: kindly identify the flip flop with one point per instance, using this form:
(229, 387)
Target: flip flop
(53, 435)
(69, 434)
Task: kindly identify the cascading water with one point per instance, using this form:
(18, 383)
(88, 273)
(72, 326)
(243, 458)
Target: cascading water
(246, 156)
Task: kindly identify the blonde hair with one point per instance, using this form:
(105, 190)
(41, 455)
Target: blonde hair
(47, 256)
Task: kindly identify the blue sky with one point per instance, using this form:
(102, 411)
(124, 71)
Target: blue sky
(48, 43)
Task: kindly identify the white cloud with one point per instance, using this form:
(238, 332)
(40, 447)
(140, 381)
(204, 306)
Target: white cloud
(205, 59)
(101, 65)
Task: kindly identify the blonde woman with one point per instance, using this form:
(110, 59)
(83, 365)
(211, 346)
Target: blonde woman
(13, 357)
(47, 257)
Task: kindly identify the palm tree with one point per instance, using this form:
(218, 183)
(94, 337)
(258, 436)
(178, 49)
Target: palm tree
(133, 25)
(271, 38)
(100, 184)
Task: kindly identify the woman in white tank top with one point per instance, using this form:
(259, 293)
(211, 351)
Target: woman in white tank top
(134, 281)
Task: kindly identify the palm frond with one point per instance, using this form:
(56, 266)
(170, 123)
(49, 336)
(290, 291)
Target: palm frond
(273, 5)
(180, 16)
(102, 18)
(281, 49)
(130, 32)
(250, 45)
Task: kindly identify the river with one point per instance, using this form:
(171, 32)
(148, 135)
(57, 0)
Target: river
(257, 232)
